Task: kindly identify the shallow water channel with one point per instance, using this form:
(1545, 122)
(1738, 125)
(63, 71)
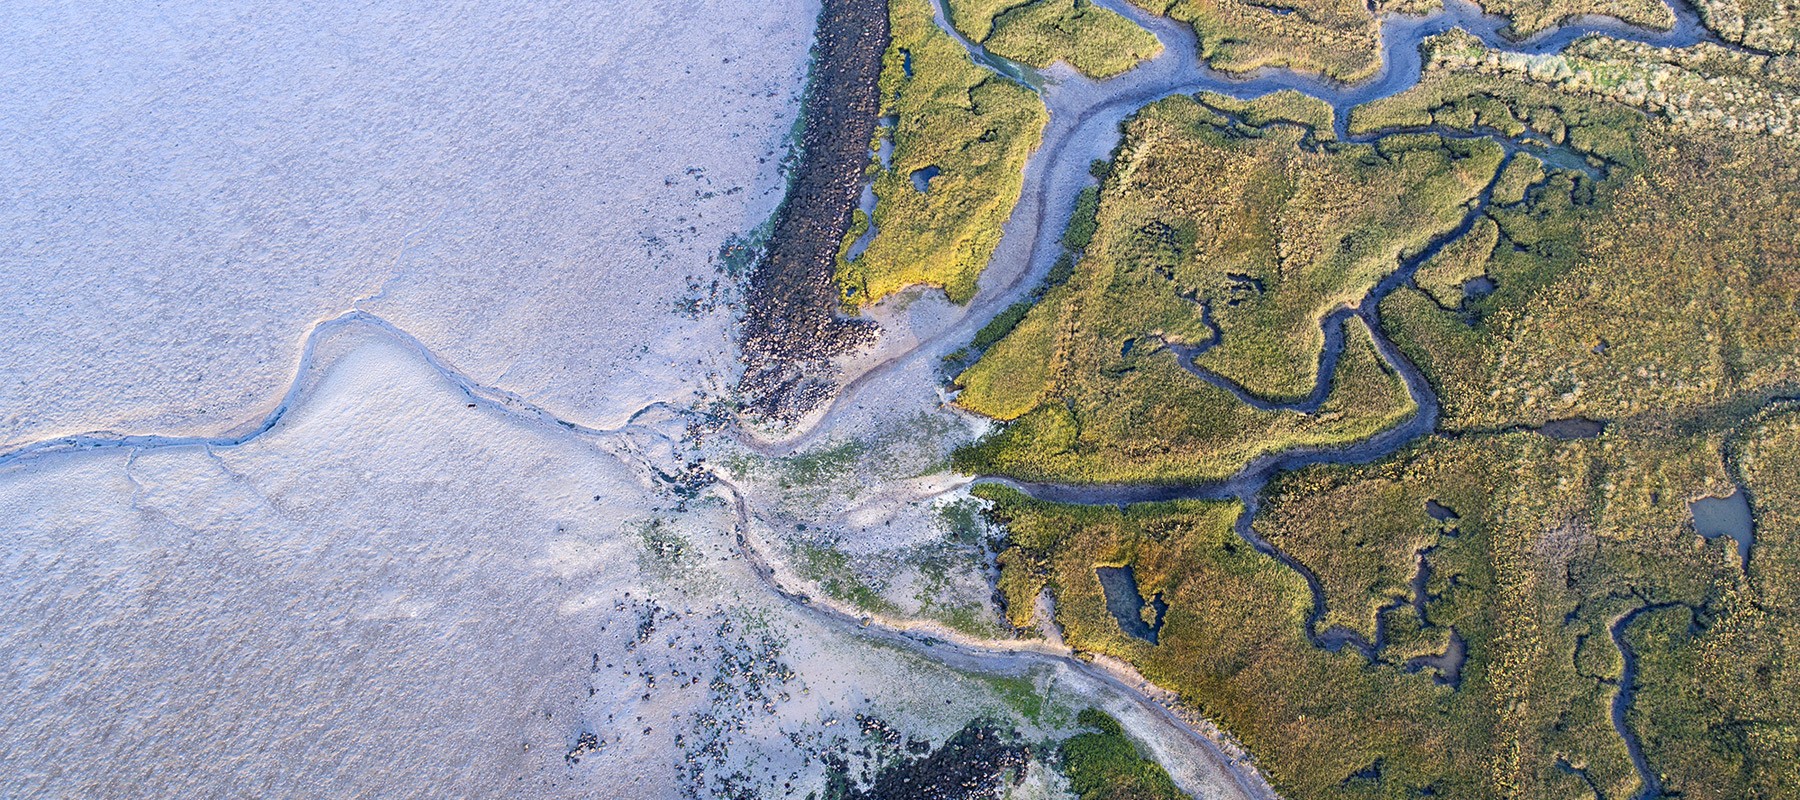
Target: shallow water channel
(1085, 117)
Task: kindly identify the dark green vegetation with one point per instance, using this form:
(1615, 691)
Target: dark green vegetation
(1001, 325)
(1093, 40)
(976, 128)
(1104, 765)
(1656, 290)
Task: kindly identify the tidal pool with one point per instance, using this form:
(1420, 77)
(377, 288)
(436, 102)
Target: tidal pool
(1729, 517)
(1127, 603)
(921, 178)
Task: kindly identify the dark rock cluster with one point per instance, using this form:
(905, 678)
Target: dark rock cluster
(750, 679)
(586, 744)
(792, 324)
(979, 762)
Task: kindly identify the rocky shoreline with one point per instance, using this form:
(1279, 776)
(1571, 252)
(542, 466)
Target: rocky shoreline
(792, 326)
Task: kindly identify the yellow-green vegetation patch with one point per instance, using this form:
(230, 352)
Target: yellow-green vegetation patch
(1463, 101)
(1231, 644)
(1018, 372)
(1269, 227)
(1140, 417)
(1516, 178)
(1662, 297)
(1362, 543)
(1338, 38)
(975, 18)
(1720, 705)
(1445, 273)
(1543, 545)
(1771, 26)
(976, 129)
(1417, 8)
(1668, 290)
(1096, 41)
(1706, 87)
(1286, 105)
(1260, 225)
(1531, 16)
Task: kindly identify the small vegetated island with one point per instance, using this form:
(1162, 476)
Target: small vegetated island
(1424, 388)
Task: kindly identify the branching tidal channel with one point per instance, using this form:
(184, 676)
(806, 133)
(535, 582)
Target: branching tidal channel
(1086, 116)
(1084, 125)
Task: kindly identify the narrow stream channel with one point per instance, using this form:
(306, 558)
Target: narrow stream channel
(1084, 126)
(1085, 118)
(1621, 707)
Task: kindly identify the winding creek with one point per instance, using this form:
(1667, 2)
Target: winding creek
(1084, 125)
(1085, 119)
(1085, 116)
(1013, 658)
(1621, 706)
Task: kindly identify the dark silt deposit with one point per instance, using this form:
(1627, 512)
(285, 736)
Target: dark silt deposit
(792, 325)
(1571, 428)
(978, 763)
(1126, 603)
